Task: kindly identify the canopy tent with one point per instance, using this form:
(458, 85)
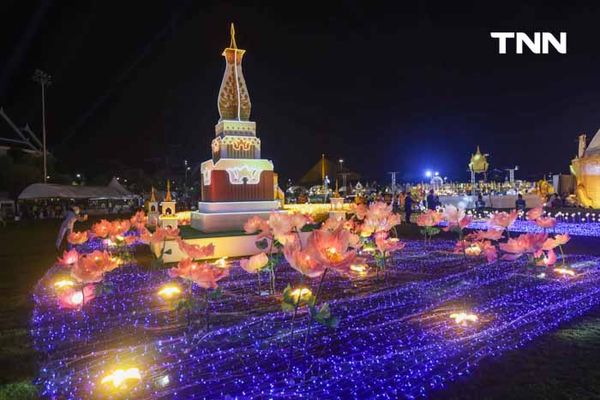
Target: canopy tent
(114, 190)
(116, 185)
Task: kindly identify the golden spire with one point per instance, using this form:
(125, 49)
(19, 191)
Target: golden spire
(152, 196)
(323, 168)
(234, 101)
(232, 44)
(168, 196)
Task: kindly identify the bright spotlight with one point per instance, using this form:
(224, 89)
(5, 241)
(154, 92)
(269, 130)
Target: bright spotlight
(428, 174)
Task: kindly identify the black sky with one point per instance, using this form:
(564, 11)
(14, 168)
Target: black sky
(399, 86)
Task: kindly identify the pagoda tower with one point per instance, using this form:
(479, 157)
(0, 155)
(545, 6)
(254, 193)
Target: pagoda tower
(236, 183)
(168, 218)
(153, 213)
(167, 206)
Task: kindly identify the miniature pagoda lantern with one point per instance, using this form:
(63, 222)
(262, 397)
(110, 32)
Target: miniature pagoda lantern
(153, 213)
(168, 217)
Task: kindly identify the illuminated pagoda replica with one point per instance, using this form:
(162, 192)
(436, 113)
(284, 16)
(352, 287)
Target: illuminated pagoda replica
(236, 183)
(586, 168)
(168, 218)
(478, 165)
(153, 213)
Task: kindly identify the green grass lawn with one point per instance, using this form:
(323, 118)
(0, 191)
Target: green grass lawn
(561, 365)
(27, 250)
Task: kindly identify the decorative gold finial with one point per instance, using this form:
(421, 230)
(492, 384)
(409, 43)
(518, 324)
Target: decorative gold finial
(152, 195)
(478, 163)
(168, 196)
(232, 44)
(234, 101)
(323, 168)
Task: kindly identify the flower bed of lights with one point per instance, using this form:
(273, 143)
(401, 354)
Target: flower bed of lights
(437, 315)
(588, 229)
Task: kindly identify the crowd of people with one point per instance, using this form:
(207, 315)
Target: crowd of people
(406, 203)
(58, 209)
(42, 210)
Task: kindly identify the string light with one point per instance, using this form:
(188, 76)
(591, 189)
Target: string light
(387, 335)
(587, 229)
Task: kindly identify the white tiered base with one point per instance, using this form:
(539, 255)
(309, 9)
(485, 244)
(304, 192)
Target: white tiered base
(240, 245)
(222, 224)
(229, 216)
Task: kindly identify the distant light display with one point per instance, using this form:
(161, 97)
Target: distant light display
(394, 341)
(589, 229)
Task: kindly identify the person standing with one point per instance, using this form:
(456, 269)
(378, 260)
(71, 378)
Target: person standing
(73, 215)
(558, 202)
(408, 207)
(480, 204)
(520, 203)
(401, 199)
(431, 203)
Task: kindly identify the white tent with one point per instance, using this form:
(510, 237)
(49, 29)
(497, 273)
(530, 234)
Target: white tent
(114, 190)
(114, 184)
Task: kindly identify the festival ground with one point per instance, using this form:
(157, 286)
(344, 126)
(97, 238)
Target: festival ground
(536, 371)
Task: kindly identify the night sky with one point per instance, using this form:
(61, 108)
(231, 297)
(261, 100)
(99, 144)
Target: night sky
(405, 86)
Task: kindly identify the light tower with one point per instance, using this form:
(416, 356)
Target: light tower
(341, 161)
(393, 176)
(511, 175)
(44, 79)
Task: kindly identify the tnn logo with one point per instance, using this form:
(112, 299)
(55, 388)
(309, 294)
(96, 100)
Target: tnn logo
(539, 45)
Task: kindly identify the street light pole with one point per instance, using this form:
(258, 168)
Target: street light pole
(343, 176)
(44, 79)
